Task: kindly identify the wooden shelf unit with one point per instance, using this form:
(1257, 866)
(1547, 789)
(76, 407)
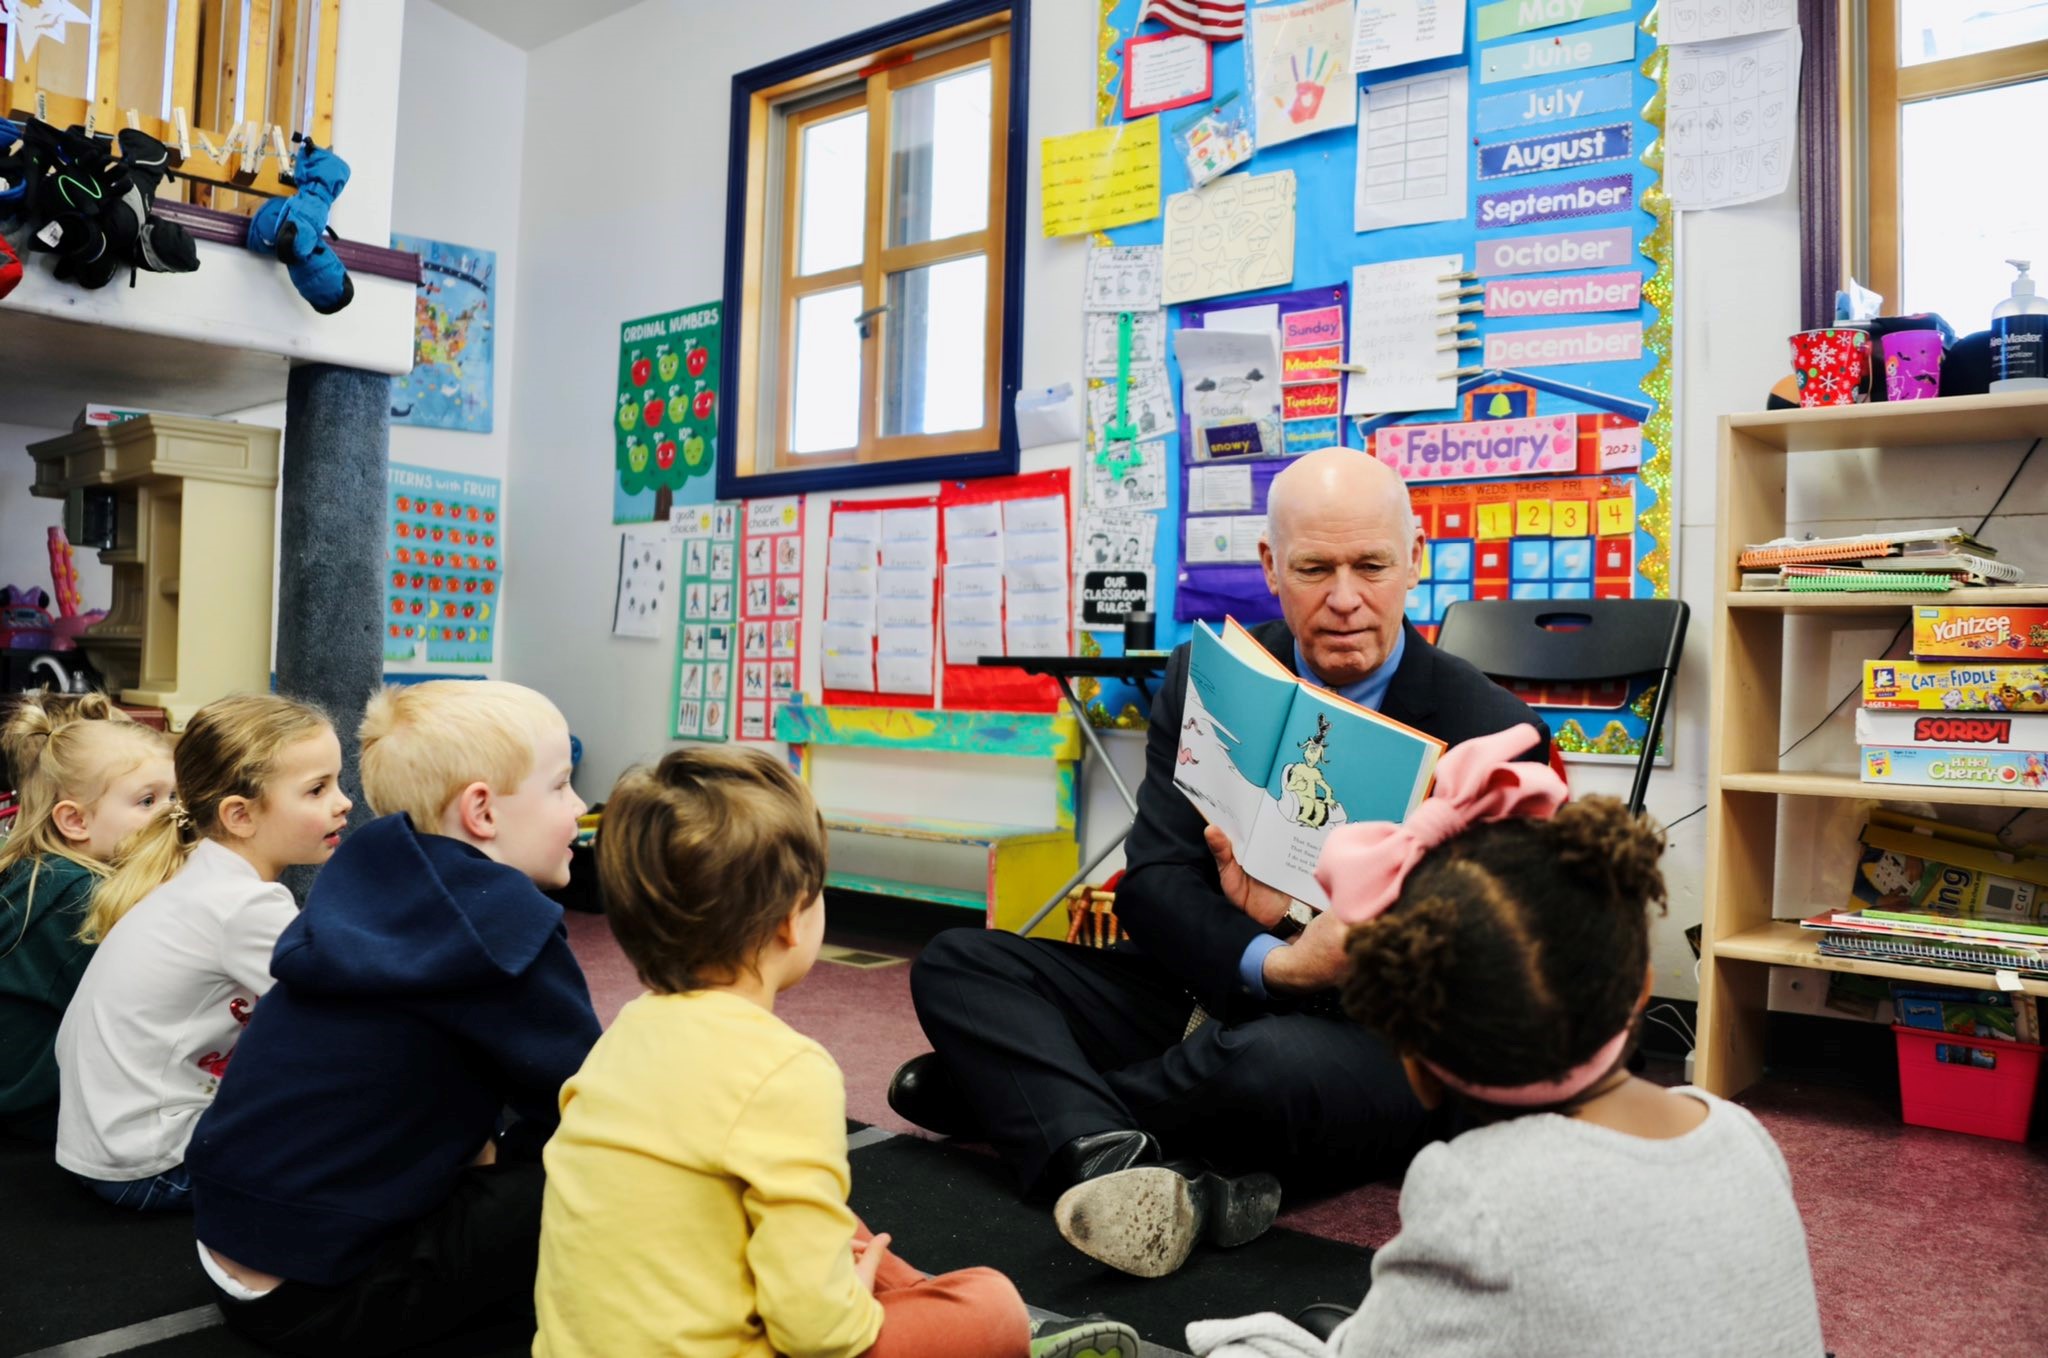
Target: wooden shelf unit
(1741, 940)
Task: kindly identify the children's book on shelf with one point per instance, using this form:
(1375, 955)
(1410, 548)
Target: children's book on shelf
(1951, 687)
(1277, 762)
(1915, 877)
(2005, 1016)
(1980, 632)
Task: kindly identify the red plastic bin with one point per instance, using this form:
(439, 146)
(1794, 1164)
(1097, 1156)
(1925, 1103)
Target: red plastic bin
(1967, 1096)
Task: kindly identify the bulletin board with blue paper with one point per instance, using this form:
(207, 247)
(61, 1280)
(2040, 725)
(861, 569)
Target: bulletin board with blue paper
(1432, 231)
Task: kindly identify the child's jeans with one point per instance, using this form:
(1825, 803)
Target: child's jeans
(972, 1313)
(170, 1191)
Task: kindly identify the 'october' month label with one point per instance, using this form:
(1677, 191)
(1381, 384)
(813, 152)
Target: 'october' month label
(1610, 247)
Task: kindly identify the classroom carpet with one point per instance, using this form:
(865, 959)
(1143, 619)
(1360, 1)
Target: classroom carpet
(79, 1279)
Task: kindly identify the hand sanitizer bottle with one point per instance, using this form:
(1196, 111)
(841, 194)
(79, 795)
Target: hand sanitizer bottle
(2019, 337)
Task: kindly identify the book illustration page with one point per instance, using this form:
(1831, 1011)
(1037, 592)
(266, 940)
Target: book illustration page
(1230, 723)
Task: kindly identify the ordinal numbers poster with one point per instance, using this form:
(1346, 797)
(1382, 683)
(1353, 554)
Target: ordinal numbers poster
(665, 420)
(449, 386)
(444, 554)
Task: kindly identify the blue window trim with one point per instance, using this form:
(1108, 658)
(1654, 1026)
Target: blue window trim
(738, 328)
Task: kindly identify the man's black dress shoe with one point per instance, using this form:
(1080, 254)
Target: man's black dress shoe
(1146, 1219)
(922, 1091)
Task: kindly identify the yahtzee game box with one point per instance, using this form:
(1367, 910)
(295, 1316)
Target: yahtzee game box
(1980, 633)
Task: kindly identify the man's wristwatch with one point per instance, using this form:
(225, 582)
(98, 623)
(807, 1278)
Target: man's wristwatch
(1294, 921)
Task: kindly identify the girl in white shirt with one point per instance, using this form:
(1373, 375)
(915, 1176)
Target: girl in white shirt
(198, 907)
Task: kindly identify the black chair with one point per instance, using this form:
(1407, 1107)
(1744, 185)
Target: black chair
(1575, 641)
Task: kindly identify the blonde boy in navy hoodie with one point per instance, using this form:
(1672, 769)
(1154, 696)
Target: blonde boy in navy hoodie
(352, 1191)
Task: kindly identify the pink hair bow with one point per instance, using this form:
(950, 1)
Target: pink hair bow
(1363, 865)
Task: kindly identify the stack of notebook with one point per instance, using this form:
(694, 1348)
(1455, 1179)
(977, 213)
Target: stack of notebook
(1919, 560)
(1929, 894)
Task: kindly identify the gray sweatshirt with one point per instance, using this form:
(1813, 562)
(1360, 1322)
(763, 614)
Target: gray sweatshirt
(1549, 1235)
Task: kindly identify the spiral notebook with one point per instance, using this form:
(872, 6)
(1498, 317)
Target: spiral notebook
(1923, 951)
(1923, 542)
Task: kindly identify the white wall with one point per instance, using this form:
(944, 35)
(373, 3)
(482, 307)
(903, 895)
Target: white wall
(655, 240)
(458, 178)
(26, 521)
(629, 218)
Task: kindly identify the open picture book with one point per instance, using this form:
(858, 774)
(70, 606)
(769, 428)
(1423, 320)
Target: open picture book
(1277, 762)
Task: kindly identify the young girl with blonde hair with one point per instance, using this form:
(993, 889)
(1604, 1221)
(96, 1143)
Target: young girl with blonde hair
(88, 777)
(186, 927)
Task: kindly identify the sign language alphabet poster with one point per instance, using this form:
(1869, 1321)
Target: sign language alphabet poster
(771, 611)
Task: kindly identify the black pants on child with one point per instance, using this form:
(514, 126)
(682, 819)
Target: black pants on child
(465, 1268)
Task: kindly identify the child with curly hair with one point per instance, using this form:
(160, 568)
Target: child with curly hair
(1500, 939)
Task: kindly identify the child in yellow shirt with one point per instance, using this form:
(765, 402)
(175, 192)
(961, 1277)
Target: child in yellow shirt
(696, 1188)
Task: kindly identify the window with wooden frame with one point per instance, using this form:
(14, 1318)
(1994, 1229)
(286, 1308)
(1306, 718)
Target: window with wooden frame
(1954, 95)
(223, 83)
(873, 292)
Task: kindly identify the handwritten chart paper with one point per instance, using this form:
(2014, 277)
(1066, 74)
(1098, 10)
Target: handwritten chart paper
(1396, 310)
(1388, 33)
(1235, 235)
(1295, 63)
(1411, 151)
(1733, 119)
(1095, 180)
(1704, 20)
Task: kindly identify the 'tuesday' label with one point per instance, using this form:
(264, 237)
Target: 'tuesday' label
(1556, 151)
(1610, 247)
(1455, 452)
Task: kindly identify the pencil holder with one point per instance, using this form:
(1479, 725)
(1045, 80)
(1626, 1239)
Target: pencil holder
(1832, 367)
(1912, 365)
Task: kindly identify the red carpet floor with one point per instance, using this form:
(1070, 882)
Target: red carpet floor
(1922, 1242)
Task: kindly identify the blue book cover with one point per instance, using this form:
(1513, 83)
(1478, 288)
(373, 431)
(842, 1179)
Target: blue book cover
(1277, 763)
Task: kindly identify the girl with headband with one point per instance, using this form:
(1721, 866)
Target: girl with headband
(1500, 939)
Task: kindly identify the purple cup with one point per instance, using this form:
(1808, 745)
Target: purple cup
(1912, 365)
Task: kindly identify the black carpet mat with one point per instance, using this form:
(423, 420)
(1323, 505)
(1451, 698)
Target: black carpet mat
(947, 1207)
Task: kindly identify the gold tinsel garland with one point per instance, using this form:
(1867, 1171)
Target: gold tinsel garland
(1656, 384)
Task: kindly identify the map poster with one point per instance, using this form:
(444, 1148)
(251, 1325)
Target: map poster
(665, 419)
(449, 386)
(444, 560)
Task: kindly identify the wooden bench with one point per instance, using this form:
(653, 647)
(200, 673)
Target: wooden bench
(1026, 864)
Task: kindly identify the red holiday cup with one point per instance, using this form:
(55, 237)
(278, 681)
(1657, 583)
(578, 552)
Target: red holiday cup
(1832, 366)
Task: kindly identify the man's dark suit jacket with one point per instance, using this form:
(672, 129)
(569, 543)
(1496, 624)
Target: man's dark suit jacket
(1171, 900)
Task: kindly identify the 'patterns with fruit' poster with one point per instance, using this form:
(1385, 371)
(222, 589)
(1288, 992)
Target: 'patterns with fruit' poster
(443, 554)
(706, 646)
(665, 421)
(771, 611)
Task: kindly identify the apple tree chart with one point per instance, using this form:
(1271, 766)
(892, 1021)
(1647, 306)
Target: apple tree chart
(665, 422)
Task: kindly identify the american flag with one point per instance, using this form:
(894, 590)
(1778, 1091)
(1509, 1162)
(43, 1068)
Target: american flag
(1216, 20)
